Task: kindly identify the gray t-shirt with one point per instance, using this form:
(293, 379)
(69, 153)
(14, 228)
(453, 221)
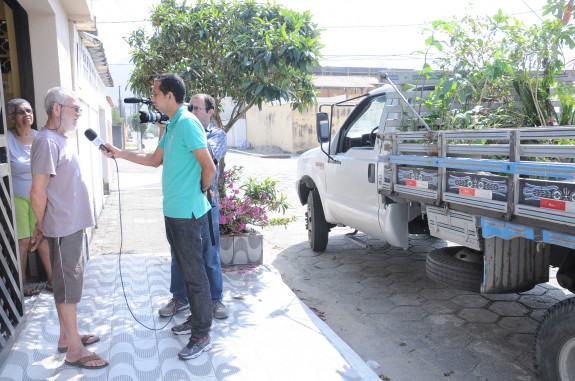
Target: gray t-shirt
(69, 208)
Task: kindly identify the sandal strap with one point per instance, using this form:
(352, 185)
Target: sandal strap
(92, 357)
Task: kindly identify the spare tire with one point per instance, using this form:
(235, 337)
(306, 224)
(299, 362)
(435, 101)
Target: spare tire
(456, 266)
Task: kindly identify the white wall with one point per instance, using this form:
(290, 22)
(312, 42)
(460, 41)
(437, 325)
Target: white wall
(237, 135)
(59, 58)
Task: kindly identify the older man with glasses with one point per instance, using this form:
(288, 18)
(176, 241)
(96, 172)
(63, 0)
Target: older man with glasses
(60, 200)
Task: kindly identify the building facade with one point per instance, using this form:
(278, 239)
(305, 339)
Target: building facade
(47, 43)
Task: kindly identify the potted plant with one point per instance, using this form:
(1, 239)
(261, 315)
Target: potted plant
(246, 205)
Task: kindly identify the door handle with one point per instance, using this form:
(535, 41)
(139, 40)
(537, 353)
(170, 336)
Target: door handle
(371, 173)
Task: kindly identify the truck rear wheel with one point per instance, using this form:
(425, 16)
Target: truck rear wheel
(555, 343)
(316, 225)
(456, 266)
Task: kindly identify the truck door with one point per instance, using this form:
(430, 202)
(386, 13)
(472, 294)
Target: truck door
(351, 193)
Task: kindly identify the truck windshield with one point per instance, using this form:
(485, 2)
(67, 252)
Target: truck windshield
(368, 119)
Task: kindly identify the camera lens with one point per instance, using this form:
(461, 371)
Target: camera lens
(152, 117)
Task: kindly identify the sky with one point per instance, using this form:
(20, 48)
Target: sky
(369, 33)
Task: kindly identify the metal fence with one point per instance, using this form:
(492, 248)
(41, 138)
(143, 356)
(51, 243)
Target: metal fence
(11, 295)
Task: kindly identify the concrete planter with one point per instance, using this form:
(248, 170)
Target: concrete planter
(242, 249)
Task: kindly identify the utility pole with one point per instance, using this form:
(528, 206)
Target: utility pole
(120, 105)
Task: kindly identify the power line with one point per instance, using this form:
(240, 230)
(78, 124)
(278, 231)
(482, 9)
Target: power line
(368, 26)
(531, 9)
(122, 22)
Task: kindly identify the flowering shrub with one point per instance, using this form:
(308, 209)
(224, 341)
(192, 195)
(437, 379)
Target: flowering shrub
(248, 203)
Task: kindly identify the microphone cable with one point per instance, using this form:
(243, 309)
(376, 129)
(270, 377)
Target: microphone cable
(120, 259)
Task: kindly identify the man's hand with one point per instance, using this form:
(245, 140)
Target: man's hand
(114, 152)
(161, 128)
(37, 237)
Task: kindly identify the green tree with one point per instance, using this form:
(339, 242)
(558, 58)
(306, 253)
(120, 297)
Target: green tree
(116, 118)
(491, 62)
(135, 120)
(251, 52)
(139, 127)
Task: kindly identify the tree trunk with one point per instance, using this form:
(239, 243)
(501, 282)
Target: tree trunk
(221, 180)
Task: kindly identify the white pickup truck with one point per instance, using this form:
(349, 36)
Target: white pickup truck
(506, 197)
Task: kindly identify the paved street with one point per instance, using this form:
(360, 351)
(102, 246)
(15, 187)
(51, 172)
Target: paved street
(127, 280)
(377, 298)
(380, 301)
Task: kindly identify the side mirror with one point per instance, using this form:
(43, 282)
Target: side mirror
(322, 125)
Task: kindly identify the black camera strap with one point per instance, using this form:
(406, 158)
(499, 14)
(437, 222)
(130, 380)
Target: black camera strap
(210, 219)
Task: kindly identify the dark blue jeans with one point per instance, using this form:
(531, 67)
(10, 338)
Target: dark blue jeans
(211, 254)
(184, 237)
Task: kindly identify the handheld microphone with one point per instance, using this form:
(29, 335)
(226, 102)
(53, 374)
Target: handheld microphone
(93, 137)
(137, 100)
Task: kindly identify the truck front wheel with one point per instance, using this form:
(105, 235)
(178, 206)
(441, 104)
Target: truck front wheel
(555, 343)
(316, 225)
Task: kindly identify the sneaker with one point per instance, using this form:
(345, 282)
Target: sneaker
(172, 307)
(185, 328)
(219, 310)
(195, 347)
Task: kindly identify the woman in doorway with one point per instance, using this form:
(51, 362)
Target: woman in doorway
(20, 138)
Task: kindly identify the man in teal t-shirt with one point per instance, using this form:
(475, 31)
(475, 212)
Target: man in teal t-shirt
(182, 195)
(187, 175)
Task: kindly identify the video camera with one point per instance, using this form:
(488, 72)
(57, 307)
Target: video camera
(148, 116)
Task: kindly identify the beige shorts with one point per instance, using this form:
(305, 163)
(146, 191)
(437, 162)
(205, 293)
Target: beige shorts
(67, 267)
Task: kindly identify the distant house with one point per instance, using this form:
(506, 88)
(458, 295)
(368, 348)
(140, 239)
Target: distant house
(329, 86)
(280, 126)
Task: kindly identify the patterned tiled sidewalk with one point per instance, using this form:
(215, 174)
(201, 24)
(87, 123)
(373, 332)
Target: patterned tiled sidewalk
(270, 334)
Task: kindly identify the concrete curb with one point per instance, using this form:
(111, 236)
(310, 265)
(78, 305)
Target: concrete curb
(264, 155)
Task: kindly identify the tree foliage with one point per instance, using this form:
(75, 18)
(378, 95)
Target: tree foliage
(251, 52)
(116, 118)
(141, 128)
(497, 71)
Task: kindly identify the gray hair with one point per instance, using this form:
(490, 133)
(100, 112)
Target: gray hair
(11, 106)
(57, 95)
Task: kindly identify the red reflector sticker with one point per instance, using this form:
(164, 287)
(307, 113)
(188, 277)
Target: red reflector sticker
(473, 192)
(552, 204)
(417, 184)
(467, 191)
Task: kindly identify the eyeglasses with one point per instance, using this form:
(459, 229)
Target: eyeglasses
(24, 111)
(77, 109)
(196, 108)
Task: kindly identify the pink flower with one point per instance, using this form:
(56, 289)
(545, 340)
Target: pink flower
(247, 204)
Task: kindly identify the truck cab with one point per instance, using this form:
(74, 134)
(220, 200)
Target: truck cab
(341, 175)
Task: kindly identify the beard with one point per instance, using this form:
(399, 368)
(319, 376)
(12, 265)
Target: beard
(69, 124)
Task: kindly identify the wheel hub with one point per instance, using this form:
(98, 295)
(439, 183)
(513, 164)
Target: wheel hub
(468, 255)
(567, 361)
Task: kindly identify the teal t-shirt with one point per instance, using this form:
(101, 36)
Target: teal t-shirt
(181, 179)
